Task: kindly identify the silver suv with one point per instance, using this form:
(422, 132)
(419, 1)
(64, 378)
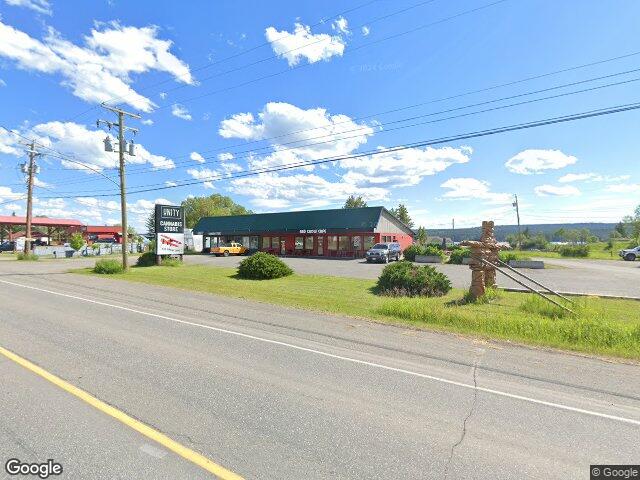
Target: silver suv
(630, 254)
(384, 252)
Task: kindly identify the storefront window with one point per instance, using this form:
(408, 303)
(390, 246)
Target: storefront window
(266, 242)
(275, 243)
(254, 243)
(332, 242)
(343, 242)
(299, 243)
(357, 242)
(369, 240)
(308, 243)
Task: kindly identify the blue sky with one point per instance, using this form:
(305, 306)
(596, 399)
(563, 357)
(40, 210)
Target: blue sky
(194, 72)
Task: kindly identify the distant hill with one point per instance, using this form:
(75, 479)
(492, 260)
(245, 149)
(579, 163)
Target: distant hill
(600, 230)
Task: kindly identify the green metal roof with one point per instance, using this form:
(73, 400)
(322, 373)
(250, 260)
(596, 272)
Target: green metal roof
(340, 219)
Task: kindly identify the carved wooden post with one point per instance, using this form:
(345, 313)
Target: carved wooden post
(491, 249)
(477, 268)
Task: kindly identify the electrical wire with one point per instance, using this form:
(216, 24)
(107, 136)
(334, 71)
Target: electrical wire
(437, 141)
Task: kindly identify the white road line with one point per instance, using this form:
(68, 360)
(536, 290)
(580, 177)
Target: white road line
(500, 393)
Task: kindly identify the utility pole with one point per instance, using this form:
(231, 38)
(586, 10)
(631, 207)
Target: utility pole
(453, 230)
(30, 170)
(122, 149)
(517, 207)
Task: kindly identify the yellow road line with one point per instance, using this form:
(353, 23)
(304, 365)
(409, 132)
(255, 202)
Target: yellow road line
(145, 430)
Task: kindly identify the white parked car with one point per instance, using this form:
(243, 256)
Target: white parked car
(630, 254)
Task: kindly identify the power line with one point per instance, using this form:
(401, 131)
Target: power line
(443, 119)
(217, 62)
(350, 52)
(441, 140)
(428, 102)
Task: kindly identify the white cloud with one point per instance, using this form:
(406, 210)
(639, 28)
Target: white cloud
(624, 188)
(226, 156)
(196, 157)
(169, 183)
(321, 133)
(591, 177)
(101, 70)
(39, 6)
(304, 44)
(341, 25)
(6, 193)
(556, 191)
(403, 167)
(3, 83)
(366, 30)
(533, 161)
(270, 190)
(162, 95)
(180, 111)
(473, 189)
(9, 143)
(146, 121)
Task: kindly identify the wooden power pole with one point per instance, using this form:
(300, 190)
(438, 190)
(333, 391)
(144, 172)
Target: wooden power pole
(122, 149)
(30, 171)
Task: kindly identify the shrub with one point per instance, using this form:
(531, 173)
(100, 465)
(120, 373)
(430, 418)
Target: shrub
(28, 257)
(457, 254)
(406, 279)
(170, 262)
(574, 250)
(433, 251)
(76, 242)
(263, 266)
(108, 267)
(411, 251)
(147, 259)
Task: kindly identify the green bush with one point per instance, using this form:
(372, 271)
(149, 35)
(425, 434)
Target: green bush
(147, 259)
(263, 266)
(433, 251)
(411, 251)
(108, 267)
(457, 254)
(408, 280)
(574, 250)
(77, 241)
(170, 262)
(27, 257)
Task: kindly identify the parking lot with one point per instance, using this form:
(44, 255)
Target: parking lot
(597, 277)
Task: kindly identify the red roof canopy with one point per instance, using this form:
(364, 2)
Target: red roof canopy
(103, 229)
(39, 221)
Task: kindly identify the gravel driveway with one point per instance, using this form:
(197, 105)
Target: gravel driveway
(598, 277)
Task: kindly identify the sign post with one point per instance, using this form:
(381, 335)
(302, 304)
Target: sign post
(169, 231)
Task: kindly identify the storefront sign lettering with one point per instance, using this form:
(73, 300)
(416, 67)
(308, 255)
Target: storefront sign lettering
(320, 230)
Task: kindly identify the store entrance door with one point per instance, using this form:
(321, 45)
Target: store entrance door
(320, 242)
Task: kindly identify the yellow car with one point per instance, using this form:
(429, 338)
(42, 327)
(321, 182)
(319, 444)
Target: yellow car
(227, 249)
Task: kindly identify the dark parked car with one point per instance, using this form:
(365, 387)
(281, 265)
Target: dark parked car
(384, 252)
(7, 246)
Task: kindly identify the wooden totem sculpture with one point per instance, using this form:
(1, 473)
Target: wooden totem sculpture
(482, 274)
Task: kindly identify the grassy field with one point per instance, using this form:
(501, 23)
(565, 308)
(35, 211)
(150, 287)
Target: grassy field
(597, 251)
(601, 326)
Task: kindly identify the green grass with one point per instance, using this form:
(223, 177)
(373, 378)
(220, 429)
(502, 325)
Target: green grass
(27, 257)
(598, 251)
(602, 326)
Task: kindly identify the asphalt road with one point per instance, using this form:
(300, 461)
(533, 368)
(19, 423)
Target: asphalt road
(597, 277)
(269, 392)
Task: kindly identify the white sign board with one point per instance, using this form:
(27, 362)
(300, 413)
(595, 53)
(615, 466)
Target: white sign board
(170, 243)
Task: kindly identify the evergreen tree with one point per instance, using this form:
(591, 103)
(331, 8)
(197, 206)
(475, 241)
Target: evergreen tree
(354, 202)
(402, 214)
